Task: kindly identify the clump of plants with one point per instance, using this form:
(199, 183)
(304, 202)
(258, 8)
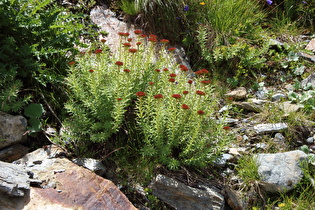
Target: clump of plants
(173, 112)
(37, 39)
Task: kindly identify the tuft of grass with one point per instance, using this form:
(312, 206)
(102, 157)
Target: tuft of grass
(247, 169)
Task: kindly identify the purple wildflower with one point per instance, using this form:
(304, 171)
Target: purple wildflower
(269, 2)
(186, 8)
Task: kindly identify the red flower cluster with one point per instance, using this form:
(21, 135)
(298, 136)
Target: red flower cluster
(138, 43)
(98, 51)
(127, 70)
(164, 41)
(157, 70)
(171, 79)
(129, 39)
(202, 71)
(173, 75)
(176, 96)
(132, 50)
(91, 70)
(205, 82)
(127, 44)
(119, 63)
(158, 96)
(165, 69)
(152, 39)
(143, 35)
(119, 99)
(200, 93)
(226, 127)
(140, 94)
(71, 63)
(123, 34)
(183, 67)
(185, 92)
(200, 112)
(190, 81)
(185, 106)
(151, 83)
(230, 98)
(103, 40)
(138, 32)
(171, 49)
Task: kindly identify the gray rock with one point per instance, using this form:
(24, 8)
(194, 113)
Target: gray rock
(92, 164)
(310, 140)
(278, 97)
(254, 105)
(181, 196)
(280, 172)
(238, 93)
(221, 161)
(311, 45)
(13, 153)
(14, 180)
(12, 129)
(287, 107)
(270, 127)
(308, 82)
(306, 56)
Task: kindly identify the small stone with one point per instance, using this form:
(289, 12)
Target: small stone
(308, 82)
(238, 93)
(270, 127)
(310, 140)
(287, 107)
(221, 161)
(311, 45)
(278, 97)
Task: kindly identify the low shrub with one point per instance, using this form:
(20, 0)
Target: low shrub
(173, 113)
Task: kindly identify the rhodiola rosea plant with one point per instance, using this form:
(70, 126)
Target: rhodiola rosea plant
(174, 111)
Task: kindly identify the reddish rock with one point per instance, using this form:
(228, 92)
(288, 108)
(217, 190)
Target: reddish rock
(64, 185)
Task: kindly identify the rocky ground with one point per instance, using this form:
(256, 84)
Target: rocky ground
(259, 118)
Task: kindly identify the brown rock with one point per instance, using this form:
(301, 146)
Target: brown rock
(77, 188)
(13, 153)
(238, 93)
(64, 185)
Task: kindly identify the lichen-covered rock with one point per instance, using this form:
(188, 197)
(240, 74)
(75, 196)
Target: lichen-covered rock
(280, 172)
(12, 129)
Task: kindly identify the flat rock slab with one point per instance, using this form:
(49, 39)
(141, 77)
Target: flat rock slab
(270, 127)
(183, 197)
(280, 172)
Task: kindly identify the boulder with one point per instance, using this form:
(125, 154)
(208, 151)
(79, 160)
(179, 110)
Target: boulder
(12, 129)
(181, 196)
(280, 172)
